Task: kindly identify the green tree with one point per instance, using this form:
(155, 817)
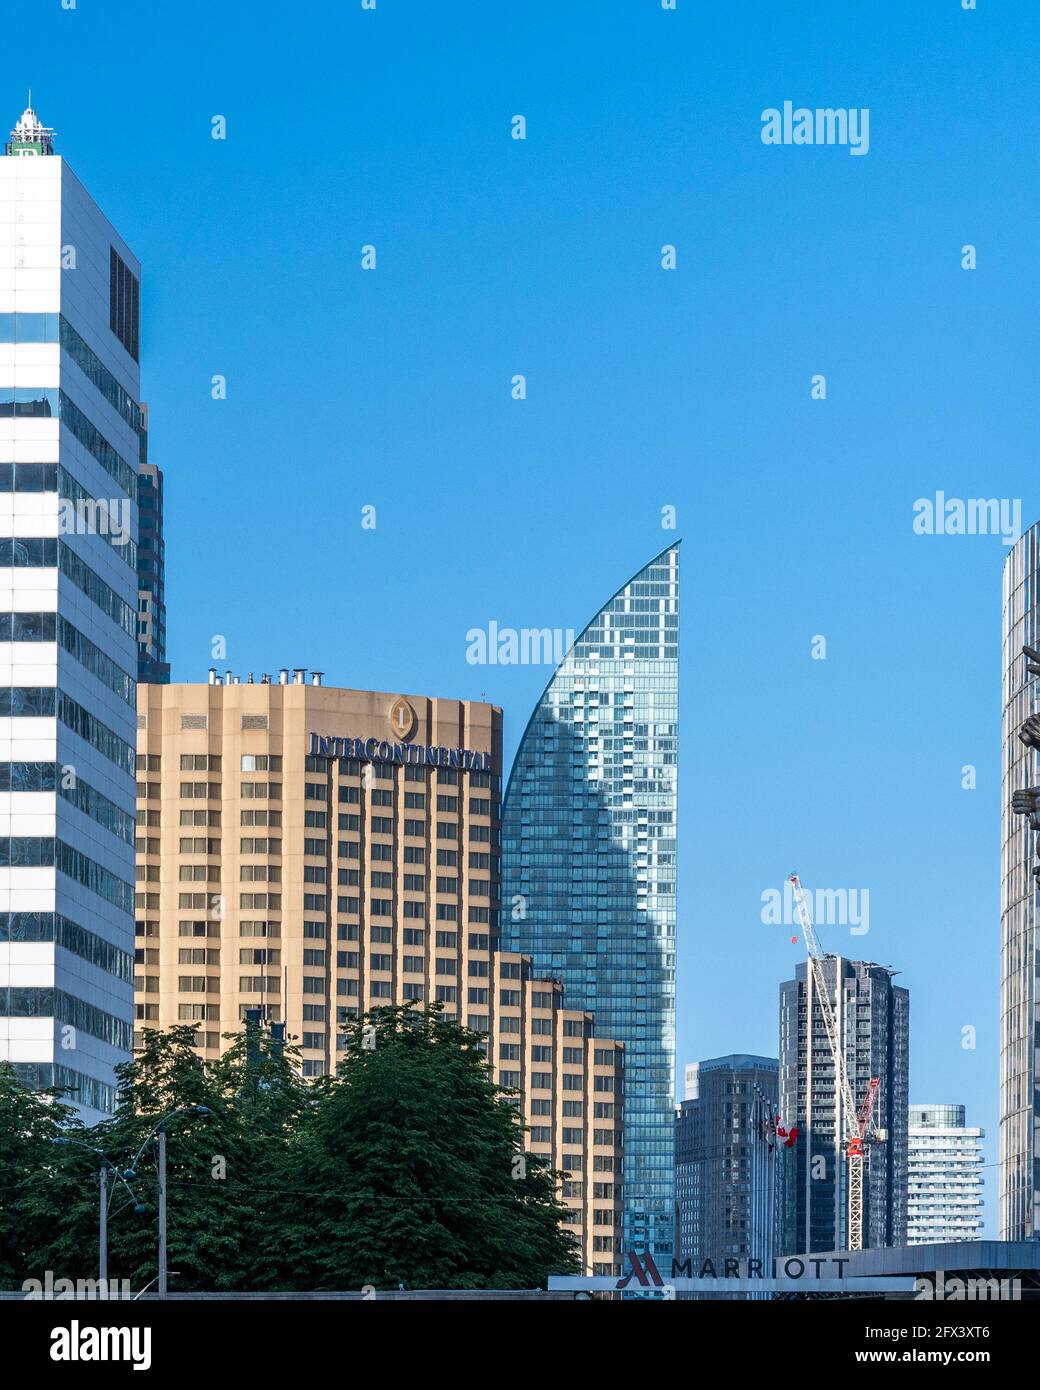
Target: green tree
(409, 1168)
(35, 1179)
(218, 1165)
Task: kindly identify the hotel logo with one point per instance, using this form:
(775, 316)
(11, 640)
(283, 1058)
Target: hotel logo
(402, 719)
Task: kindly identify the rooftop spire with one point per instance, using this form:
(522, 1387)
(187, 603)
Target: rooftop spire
(30, 136)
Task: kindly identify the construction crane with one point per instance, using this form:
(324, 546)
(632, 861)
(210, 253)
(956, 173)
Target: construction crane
(858, 1121)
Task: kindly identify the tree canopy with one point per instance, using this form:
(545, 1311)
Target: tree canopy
(405, 1168)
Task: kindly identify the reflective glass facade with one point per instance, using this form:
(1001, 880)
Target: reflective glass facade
(1019, 1023)
(589, 863)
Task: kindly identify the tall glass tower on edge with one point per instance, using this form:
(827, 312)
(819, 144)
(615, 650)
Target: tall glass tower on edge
(589, 866)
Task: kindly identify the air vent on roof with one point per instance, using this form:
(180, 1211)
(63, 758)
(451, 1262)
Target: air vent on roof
(254, 721)
(193, 721)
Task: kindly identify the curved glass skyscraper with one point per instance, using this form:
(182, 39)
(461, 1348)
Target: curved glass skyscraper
(589, 861)
(1019, 1019)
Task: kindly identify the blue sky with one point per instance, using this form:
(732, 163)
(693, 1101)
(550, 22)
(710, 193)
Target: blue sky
(646, 389)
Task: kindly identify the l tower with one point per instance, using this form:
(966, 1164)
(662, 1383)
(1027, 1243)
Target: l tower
(70, 437)
(589, 866)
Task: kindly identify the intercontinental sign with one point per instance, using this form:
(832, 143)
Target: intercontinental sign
(376, 750)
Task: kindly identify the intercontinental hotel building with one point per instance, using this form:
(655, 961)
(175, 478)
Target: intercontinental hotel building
(310, 853)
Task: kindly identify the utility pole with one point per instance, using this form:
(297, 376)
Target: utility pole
(162, 1211)
(103, 1227)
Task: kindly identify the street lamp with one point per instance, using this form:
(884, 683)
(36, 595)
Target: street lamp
(158, 1131)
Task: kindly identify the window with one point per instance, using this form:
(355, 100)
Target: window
(124, 304)
(261, 791)
(195, 844)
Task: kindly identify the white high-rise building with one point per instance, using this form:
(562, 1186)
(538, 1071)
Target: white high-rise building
(69, 457)
(945, 1176)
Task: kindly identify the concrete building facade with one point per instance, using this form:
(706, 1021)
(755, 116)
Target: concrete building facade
(944, 1196)
(310, 853)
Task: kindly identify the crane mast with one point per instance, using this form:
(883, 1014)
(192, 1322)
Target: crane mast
(856, 1121)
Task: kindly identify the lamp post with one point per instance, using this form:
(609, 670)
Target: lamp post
(158, 1133)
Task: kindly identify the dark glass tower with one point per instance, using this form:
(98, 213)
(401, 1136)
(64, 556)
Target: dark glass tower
(725, 1162)
(152, 666)
(589, 862)
(873, 1019)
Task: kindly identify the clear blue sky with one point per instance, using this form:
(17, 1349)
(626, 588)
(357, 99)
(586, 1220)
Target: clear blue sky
(645, 389)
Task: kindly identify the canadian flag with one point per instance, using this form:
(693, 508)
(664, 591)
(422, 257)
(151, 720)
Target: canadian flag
(787, 1135)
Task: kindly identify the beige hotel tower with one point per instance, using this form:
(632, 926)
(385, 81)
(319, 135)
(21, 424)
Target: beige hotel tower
(314, 852)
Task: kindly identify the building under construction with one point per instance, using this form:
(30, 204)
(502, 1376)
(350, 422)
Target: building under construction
(872, 1016)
